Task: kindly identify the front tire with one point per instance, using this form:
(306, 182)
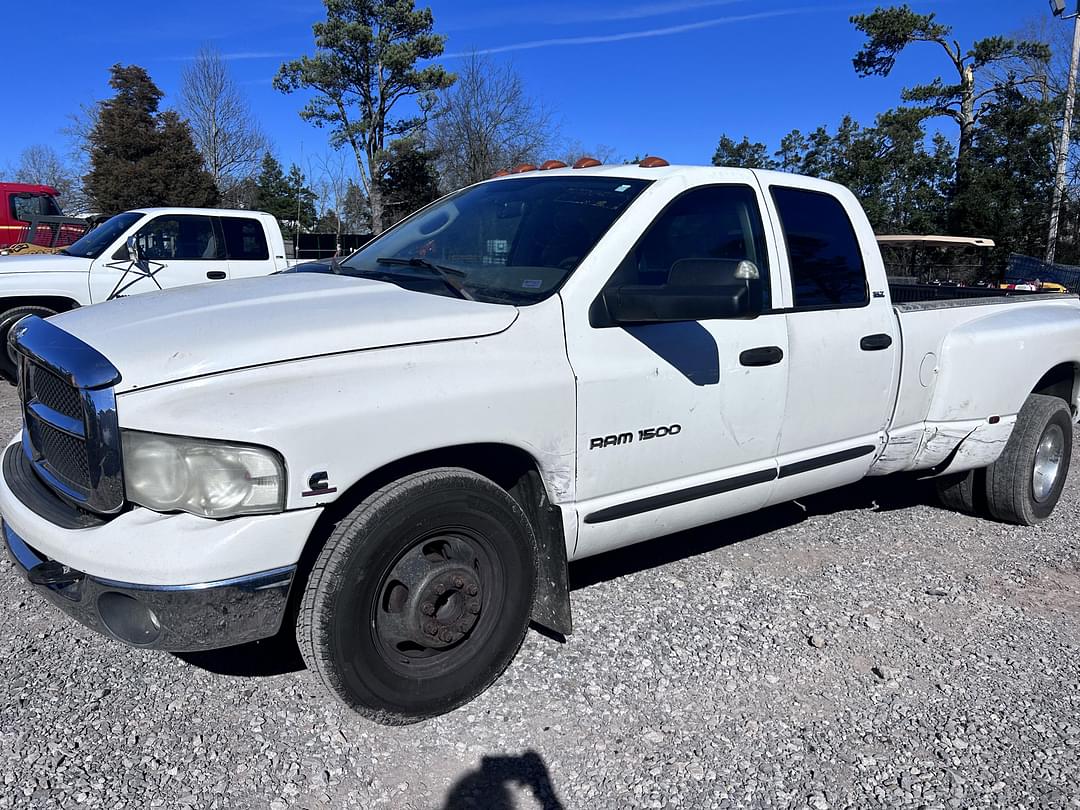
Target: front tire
(1024, 485)
(8, 361)
(421, 596)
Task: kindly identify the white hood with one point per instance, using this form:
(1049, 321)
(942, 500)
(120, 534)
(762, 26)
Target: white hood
(44, 263)
(190, 331)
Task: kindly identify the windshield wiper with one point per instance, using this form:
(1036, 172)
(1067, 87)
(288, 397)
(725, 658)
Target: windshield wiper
(450, 276)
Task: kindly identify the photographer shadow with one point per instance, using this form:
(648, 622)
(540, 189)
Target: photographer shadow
(488, 787)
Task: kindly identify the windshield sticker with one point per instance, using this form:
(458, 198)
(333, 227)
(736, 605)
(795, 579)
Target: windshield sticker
(622, 188)
(532, 284)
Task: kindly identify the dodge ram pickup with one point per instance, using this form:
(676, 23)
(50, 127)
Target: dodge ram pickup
(135, 252)
(397, 457)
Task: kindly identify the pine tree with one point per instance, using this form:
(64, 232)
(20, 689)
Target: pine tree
(140, 157)
(272, 192)
(279, 195)
(369, 56)
(409, 180)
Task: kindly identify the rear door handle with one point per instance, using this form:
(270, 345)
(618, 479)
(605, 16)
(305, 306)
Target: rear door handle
(875, 343)
(761, 356)
(216, 275)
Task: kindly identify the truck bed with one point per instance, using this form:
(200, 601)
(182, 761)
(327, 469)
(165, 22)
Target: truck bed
(912, 297)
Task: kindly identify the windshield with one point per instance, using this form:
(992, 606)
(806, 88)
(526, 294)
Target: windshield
(512, 241)
(94, 243)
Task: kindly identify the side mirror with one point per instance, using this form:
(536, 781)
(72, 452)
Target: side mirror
(640, 304)
(134, 252)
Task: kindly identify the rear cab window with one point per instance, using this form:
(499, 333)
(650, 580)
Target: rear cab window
(25, 206)
(826, 263)
(245, 239)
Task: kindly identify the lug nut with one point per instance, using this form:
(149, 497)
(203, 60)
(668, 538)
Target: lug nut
(428, 609)
(464, 627)
(446, 636)
(474, 607)
(440, 588)
(459, 582)
(431, 628)
(472, 590)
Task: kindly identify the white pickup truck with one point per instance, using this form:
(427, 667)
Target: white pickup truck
(174, 247)
(398, 458)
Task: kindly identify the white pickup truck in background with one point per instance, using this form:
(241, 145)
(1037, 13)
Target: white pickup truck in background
(397, 458)
(176, 246)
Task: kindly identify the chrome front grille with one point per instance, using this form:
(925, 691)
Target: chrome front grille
(70, 431)
(54, 393)
(63, 454)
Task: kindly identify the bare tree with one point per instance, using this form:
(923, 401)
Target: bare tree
(487, 121)
(573, 151)
(80, 124)
(221, 121)
(331, 183)
(43, 165)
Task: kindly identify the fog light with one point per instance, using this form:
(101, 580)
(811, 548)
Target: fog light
(128, 619)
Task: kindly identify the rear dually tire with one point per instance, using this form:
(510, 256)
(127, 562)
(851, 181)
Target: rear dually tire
(1024, 485)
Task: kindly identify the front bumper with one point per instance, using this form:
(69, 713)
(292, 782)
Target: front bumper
(180, 618)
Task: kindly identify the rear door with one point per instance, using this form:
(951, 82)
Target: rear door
(843, 341)
(247, 247)
(179, 249)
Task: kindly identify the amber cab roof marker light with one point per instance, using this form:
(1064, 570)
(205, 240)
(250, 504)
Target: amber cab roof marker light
(523, 167)
(587, 163)
(552, 164)
(653, 162)
(500, 173)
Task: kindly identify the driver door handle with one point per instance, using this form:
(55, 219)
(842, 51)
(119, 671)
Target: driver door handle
(761, 356)
(216, 275)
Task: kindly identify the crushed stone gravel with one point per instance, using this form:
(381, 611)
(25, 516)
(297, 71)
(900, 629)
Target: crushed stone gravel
(861, 649)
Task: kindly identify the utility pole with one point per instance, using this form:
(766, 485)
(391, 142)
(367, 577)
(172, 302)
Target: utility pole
(1066, 128)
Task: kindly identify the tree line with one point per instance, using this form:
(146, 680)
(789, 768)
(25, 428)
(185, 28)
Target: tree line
(402, 129)
(993, 179)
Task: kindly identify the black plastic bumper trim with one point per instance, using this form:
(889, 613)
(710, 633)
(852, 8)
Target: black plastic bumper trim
(39, 498)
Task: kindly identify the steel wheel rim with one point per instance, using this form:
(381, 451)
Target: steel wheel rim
(405, 612)
(1048, 463)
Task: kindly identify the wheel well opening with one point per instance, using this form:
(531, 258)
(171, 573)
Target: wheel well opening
(503, 464)
(56, 303)
(510, 467)
(1061, 382)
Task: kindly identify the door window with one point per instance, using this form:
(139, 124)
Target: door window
(245, 239)
(180, 237)
(826, 263)
(701, 239)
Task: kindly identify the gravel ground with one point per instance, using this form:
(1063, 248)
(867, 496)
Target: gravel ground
(864, 649)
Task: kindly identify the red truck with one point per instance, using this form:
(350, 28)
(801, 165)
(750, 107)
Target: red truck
(23, 203)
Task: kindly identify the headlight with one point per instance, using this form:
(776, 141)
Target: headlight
(202, 476)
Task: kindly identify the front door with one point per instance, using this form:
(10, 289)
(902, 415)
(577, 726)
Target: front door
(679, 423)
(177, 249)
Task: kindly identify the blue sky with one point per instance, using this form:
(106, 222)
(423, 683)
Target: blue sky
(666, 77)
